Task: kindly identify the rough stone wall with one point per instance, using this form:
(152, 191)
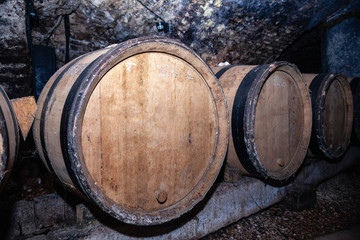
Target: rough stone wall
(342, 48)
(15, 70)
(248, 32)
(97, 24)
(305, 52)
(241, 31)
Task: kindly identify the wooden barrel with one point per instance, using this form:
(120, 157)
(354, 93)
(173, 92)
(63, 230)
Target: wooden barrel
(9, 138)
(140, 129)
(270, 118)
(332, 107)
(355, 89)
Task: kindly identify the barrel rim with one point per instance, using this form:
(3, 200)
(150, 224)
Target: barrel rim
(13, 135)
(71, 122)
(319, 88)
(4, 156)
(253, 82)
(39, 126)
(45, 104)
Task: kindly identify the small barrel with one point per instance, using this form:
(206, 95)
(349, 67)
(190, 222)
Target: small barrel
(9, 138)
(139, 128)
(332, 107)
(270, 118)
(355, 89)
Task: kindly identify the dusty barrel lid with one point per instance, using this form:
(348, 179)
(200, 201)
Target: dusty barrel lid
(9, 138)
(144, 130)
(332, 107)
(271, 121)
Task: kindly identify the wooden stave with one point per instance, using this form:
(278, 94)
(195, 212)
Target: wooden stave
(79, 182)
(56, 166)
(232, 158)
(250, 164)
(9, 130)
(319, 86)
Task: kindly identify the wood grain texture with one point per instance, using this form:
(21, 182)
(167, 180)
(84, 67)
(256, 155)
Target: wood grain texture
(230, 82)
(333, 115)
(25, 109)
(9, 138)
(49, 115)
(308, 77)
(146, 122)
(140, 130)
(281, 120)
(278, 122)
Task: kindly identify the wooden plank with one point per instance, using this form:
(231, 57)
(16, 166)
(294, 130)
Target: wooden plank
(50, 115)
(308, 77)
(230, 81)
(272, 122)
(25, 109)
(156, 128)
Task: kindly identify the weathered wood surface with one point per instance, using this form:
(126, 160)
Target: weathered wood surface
(332, 106)
(9, 138)
(25, 109)
(270, 113)
(141, 127)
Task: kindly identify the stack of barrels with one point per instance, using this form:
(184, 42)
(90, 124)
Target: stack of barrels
(280, 116)
(141, 128)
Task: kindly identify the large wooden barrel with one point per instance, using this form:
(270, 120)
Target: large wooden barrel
(270, 118)
(355, 89)
(332, 107)
(140, 129)
(9, 138)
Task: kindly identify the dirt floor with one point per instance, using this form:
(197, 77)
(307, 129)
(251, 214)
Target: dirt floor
(337, 208)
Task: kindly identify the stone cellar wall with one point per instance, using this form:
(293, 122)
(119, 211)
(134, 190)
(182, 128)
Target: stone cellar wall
(246, 32)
